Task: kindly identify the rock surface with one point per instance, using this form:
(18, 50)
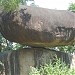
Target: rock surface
(38, 27)
(20, 61)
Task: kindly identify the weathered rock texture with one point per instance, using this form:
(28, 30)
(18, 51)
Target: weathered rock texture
(40, 27)
(19, 62)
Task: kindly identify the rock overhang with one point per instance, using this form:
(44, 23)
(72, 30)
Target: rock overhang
(39, 26)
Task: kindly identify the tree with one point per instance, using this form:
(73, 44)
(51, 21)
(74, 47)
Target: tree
(10, 5)
(72, 7)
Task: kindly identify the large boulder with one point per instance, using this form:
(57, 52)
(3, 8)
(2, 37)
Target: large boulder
(39, 27)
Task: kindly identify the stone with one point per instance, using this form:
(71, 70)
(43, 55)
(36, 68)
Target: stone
(39, 27)
(19, 62)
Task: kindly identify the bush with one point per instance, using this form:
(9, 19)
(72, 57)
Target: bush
(49, 69)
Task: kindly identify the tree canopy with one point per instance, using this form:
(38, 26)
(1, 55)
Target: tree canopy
(72, 7)
(10, 5)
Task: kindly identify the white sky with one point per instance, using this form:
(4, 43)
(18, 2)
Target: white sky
(54, 4)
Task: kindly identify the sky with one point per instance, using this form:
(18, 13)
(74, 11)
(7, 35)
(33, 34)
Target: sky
(54, 4)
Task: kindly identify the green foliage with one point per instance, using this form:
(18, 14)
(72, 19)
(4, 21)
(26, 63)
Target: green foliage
(67, 49)
(9, 5)
(50, 69)
(72, 7)
(7, 45)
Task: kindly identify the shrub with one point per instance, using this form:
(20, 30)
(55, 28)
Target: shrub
(49, 69)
